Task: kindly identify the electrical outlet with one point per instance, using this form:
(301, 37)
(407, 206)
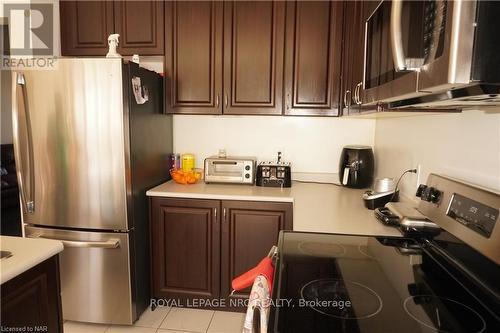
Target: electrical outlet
(419, 169)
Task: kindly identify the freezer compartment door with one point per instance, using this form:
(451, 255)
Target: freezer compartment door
(95, 275)
(69, 136)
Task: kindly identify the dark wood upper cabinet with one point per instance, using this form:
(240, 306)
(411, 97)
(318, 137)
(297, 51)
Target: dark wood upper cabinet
(355, 15)
(193, 57)
(85, 27)
(313, 57)
(249, 230)
(352, 55)
(140, 25)
(253, 57)
(185, 248)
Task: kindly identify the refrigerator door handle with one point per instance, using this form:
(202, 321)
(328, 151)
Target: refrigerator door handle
(20, 112)
(109, 244)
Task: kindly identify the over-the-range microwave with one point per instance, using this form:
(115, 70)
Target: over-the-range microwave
(432, 54)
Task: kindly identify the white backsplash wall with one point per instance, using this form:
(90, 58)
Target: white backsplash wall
(464, 146)
(312, 144)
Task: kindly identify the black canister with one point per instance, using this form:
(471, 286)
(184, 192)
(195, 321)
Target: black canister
(356, 166)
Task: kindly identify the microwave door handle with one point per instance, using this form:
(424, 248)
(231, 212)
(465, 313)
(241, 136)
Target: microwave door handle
(397, 36)
(21, 125)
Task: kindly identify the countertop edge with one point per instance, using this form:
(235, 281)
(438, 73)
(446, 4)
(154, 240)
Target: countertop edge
(218, 196)
(29, 263)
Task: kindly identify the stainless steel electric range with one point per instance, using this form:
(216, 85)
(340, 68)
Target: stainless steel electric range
(449, 282)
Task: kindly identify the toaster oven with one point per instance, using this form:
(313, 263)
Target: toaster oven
(232, 170)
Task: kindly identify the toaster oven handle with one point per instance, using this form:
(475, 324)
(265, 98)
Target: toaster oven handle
(225, 162)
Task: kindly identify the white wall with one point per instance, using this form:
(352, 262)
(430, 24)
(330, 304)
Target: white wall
(311, 144)
(464, 146)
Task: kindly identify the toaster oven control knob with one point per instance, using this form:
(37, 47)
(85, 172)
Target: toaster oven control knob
(247, 175)
(247, 167)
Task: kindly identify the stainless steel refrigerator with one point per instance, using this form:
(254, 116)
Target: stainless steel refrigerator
(90, 138)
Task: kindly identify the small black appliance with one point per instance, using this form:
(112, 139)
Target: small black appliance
(274, 174)
(356, 166)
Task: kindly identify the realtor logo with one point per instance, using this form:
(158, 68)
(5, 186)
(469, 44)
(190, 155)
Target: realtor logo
(31, 28)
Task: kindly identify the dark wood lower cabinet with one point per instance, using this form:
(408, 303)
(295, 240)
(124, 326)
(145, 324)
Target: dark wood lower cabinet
(32, 301)
(185, 248)
(249, 230)
(199, 246)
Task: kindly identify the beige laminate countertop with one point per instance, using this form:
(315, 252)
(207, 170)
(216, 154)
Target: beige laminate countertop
(324, 208)
(26, 253)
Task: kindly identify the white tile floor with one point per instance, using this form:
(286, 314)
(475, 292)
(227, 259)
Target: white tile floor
(170, 320)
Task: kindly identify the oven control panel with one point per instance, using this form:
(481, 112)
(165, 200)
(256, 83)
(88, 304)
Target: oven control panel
(466, 211)
(474, 215)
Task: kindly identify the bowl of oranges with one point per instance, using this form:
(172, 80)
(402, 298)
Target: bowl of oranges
(186, 177)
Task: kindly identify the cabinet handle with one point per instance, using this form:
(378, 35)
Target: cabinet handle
(359, 92)
(356, 94)
(215, 213)
(225, 100)
(345, 98)
(224, 221)
(357, 99)
(217, 101)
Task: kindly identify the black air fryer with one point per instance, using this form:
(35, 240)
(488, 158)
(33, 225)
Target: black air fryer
(356, 166)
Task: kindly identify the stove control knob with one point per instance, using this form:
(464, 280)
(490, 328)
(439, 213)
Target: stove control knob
(421, 188)
(413, 289)
(431, 194)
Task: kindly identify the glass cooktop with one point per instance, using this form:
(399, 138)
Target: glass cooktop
(343, 283)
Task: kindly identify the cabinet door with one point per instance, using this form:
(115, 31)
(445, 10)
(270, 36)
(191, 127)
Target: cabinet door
(249, 230)
(140, 25)
(193, 57)
(253, 57)
(356, 14)
(313, 57)
(32, 299)
(185, 236)
(85, 27)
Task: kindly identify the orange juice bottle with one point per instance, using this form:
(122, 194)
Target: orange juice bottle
(187, 162)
